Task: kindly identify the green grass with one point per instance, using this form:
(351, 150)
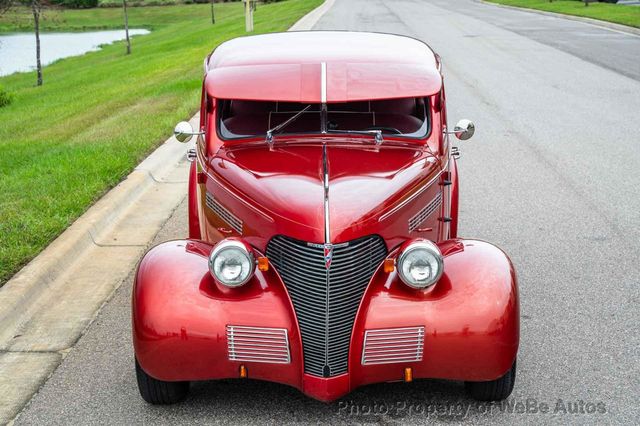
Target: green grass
(619, 14)
(63, 145)
(152, 17)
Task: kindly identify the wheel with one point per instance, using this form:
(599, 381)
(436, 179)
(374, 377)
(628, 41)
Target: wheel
(158, 392)
(493, 390)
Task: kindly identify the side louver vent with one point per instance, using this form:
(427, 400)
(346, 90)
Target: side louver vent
(224, 213)
(427, 211)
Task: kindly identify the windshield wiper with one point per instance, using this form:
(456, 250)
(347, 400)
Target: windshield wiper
(376, 133)
(284, 124)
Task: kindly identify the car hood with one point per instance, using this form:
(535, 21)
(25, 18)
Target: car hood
(286, 183)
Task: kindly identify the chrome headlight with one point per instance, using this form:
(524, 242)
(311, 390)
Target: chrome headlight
(420, 264)
(232, 263)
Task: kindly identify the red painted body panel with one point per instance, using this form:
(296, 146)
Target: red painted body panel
(455, 195)
(371, 192)
(286, 67)
(180, 316)
(194, 220)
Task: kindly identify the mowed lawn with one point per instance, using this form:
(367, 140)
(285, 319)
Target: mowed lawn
(619, 14)
(63, 145)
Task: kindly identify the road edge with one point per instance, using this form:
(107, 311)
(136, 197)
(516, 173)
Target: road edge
(591, 21)
(20, 297)
(309, 20)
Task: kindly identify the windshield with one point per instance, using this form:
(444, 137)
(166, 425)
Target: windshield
(405, 117)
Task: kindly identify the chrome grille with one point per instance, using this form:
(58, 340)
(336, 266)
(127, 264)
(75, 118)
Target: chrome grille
(326, 301)
(391, 345)
(427, 211)
(258, 344)
(224, 213)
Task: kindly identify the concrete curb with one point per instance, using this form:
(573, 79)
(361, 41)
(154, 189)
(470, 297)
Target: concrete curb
(46, 307)
(595, 22)
(308, 21)
(89, 230)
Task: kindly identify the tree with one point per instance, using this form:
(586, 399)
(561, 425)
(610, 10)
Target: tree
(36, 10)
(126, 26)
(37, 7)
(213, 16)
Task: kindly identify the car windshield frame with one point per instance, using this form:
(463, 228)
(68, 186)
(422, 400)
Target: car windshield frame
(225, 135)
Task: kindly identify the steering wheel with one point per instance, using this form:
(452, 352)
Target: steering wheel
(385, 129)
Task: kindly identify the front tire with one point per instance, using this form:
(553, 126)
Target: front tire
(493, 390)
(156, 391)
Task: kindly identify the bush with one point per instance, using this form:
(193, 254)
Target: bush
(5, 97)
(76, 4)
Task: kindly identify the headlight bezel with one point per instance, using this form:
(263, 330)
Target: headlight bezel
(431, 249)
(232, 244)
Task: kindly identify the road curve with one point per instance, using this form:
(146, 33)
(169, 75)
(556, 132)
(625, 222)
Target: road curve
(551, 176)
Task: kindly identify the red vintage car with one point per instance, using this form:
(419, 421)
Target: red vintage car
(323, 250)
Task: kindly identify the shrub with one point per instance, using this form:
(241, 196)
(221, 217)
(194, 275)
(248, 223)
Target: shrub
(5, 97)
(76, 4)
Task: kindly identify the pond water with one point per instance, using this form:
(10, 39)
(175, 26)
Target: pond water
(18, 51)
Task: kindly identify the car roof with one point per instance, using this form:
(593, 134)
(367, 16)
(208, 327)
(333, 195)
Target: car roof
(322, 66)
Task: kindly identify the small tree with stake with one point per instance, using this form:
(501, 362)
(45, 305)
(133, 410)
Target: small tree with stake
(37, 7)
(36, 10)
(126, 26)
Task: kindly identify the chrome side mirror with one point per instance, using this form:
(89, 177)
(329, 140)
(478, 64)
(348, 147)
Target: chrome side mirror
(464, 130)
(183, 132)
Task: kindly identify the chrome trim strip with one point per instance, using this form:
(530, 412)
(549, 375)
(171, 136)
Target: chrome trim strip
(236, 196)
(327, 243)
(325, 182)
(323, 82)
(414, 195)
(258, 344)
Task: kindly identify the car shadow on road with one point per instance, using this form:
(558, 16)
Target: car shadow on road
(416, 401)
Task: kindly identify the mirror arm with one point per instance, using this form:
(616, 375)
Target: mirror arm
(454, 131)
(189, 133)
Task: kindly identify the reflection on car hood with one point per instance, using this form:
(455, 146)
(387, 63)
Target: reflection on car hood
(287, 182)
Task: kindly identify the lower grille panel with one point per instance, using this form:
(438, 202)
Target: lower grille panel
(326, 300)
(393, 345)
(258, 344)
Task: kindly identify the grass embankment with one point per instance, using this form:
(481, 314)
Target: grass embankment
(151, 17)
(63, 145)
(619, 14)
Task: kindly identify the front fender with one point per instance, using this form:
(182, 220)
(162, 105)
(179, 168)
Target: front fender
(471, 317)
(180, 315)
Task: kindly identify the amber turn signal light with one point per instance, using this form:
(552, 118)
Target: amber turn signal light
(408, 375)
(243, 372)
(263, 264)
(389, 265)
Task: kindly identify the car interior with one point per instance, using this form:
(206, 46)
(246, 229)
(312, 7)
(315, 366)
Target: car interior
(405, 117)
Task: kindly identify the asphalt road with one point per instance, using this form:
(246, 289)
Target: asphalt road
(551, 176)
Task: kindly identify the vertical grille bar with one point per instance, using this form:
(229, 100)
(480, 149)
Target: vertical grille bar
(326, 303)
